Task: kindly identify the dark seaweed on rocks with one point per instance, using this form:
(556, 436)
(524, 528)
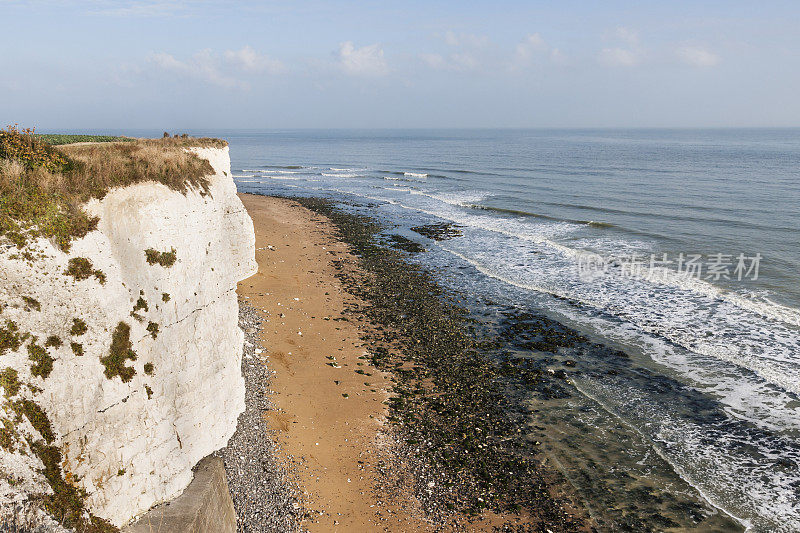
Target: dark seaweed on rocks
(405, 244)
(438, 232)
(449, 404)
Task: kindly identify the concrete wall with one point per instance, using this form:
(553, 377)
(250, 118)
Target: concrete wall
(204, 507)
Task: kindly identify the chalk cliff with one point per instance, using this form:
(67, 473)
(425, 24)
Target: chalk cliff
(143, 343)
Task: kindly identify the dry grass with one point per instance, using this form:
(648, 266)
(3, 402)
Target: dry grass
(43, 188)
(104, 166)
(59, 138)
(184, 141)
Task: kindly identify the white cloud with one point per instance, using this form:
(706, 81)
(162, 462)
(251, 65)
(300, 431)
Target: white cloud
(249, 60)
(203, 66)
(435, 61)
(533, 49)
(619, 57)
(223, 70)
(365, 61)
(470, 54)
(463, 61)
(529, 46)
(624, 49)
(697, 56)
(168, 62)
(558, 57)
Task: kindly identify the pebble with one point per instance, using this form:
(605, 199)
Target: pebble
(263, 497)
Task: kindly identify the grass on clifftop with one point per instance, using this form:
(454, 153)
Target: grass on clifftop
(43, 187)
(60, 138)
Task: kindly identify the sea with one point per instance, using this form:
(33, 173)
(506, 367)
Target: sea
(679, 248)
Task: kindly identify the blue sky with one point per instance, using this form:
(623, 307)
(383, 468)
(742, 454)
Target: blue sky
(199, 64)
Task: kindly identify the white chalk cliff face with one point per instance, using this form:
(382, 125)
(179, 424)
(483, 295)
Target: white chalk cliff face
(133, 444)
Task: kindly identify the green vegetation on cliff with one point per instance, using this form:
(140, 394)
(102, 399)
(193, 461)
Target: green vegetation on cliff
(45, 180)
(56, 139)
(42, 187)
(120, 351)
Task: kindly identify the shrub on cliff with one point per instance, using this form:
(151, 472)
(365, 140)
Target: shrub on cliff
(31, 152)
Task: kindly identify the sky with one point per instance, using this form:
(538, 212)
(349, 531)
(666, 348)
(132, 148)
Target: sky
(202, 64)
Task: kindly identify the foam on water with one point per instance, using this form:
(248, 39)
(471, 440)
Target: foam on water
(288, 178)
(755, 487)
(459, 198)
(684, 312)
(342, 175)
(715, 459)
(742, 394)
(687, 311)
(692, 313)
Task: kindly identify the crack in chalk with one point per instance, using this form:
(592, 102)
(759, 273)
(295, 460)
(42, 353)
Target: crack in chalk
(180, 444)
(123, 400)
(192, 312)
(139, 389)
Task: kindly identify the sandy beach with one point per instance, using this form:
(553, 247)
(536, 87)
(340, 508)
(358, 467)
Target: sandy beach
(348, 448)
(328, 400)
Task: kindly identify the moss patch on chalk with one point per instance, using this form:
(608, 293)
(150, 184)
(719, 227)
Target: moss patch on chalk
(53, 341)
(67, 502)
(81, 268)
(9, 437)
(32, 304)
(42, 362)
(165, 259)
(140, 305)
(9, 380)
(121, 350)
(36, 416)
(78, 327)
(10, 337)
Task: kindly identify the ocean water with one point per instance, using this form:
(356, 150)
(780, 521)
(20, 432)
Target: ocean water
(597, 230)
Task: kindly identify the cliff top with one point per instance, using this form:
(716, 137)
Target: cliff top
(60, 139)
(42, 186)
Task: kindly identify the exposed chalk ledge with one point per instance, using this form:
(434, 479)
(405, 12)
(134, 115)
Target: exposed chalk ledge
(204, 507)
